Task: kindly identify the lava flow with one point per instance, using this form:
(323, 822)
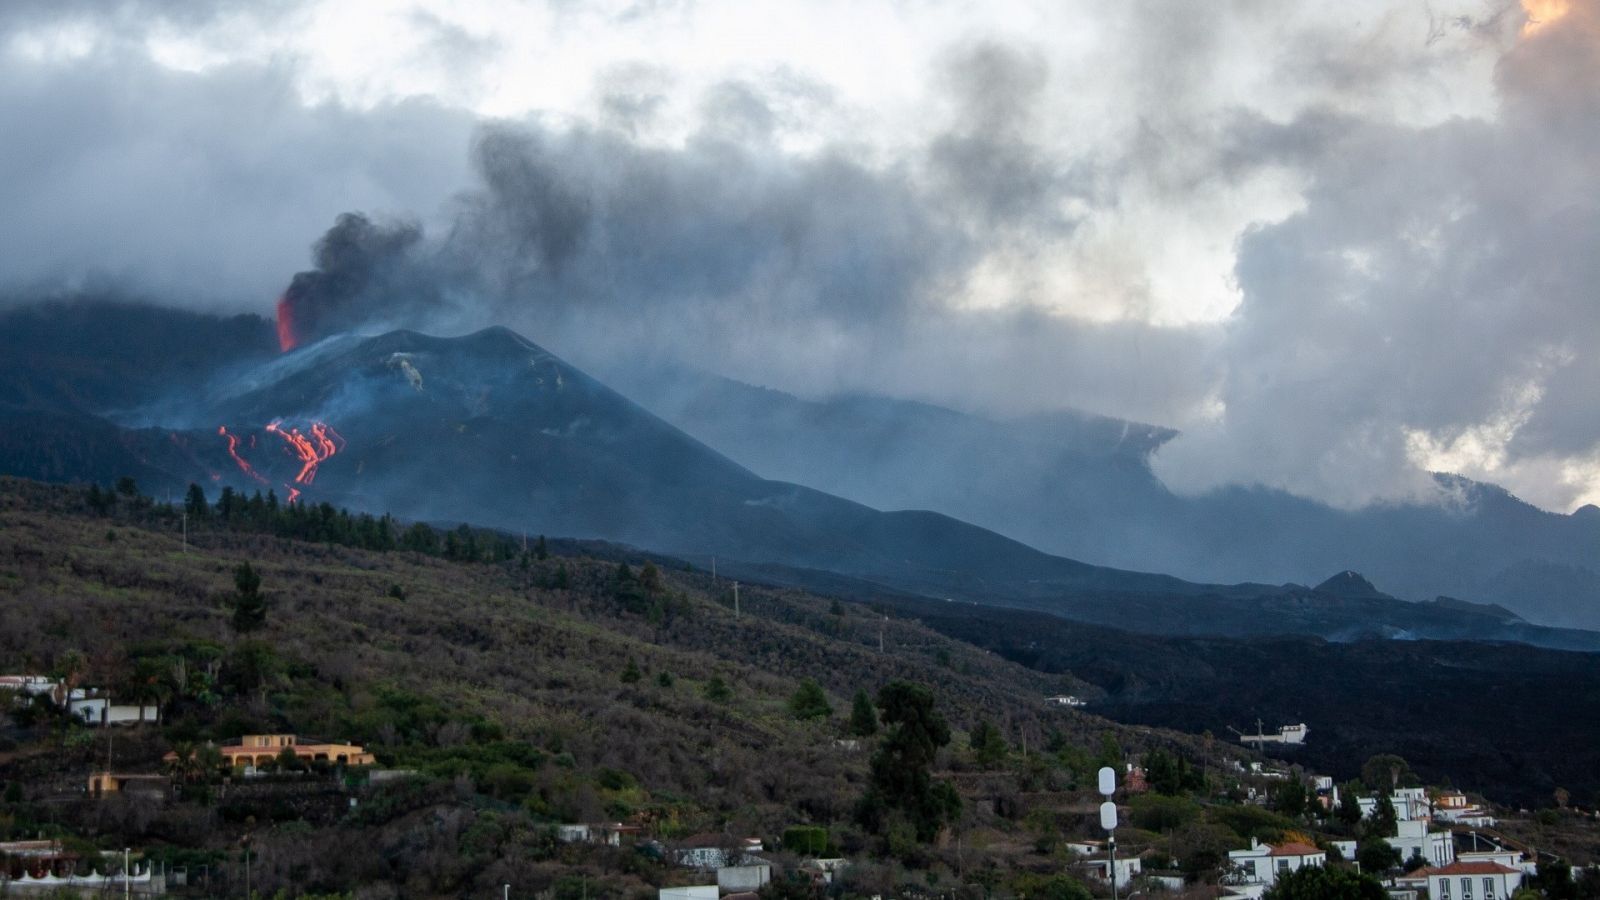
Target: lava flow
(233, 451)
(310, 448)
(287, 338)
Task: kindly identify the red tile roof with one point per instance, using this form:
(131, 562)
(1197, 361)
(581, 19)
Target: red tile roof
(1294, 848)
(1473, 868)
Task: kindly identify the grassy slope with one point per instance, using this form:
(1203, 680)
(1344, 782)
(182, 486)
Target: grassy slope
(487, 640)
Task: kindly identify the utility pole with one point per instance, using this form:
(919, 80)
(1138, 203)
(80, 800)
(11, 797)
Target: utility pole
(736, 599)
(127, 888)
(1108, 821)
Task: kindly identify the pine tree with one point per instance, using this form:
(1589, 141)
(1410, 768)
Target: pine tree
(809, 701)
(194, 503)
(631, 673)
(249, 606)
(863, 715)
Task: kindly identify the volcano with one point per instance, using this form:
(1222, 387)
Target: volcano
(491, 429)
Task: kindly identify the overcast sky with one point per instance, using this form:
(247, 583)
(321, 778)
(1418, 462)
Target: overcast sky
(1337, 245)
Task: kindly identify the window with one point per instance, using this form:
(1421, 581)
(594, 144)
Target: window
(1283, 865)
(1466, 889)
(1444, 889)
(1488, 889)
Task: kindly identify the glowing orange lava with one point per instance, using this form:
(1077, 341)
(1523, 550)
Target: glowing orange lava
(287, 338)
(233, 451)
(310, 448)
(1542, 13)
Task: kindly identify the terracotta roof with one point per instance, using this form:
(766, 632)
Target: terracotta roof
(1473, 868)
(1294, 848)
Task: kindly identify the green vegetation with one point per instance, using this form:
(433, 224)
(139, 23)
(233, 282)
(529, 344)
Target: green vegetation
(809, 701)
(1325, 883)
(513, 693)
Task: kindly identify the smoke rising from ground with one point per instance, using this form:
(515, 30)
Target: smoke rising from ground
(1400, 288)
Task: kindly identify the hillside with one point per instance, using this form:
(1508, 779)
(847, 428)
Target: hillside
(571, 681)
(489, 673)
(1494, 716)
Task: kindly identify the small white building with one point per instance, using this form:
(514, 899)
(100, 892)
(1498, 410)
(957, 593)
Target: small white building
(1412, 838)
(1472, 881)
(1099, 868)
(1263, 863)
(1408, 803)
(713, 851)
(1085, 847)
(689, 892)
(102, 711)
(822, 871)
(749, 875)
(1071, 700)
(1455, 808)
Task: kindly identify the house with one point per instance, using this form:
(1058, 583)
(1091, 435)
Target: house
(709, 850)
(610, 834)
(822, 871)
(1327, 792)
(1085, 847)
(1347, 849)
(104, 783)
(1463, 880)
(93, 708)
(89, 705)
(1071, 700)
(1455, 808)
(255, 750)
(1408, 803)
(32, 685)
(1099, 868)
(39, 867)
(1412, 838)
(1136, 782)
(749, 875)
(1511, 859)
(688, 892)
(1263, 863)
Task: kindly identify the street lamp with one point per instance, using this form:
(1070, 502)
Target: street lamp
(1108, 821)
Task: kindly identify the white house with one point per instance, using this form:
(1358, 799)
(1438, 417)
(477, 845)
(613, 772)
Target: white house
(713, 851)
(102, 711)
(749, 875)
(1412, 838)
(823, 871)
(1455, 808)
(1347, 849)
(1263, 863)
(689, 892)
(1511, 859)
(1408, 803)
(1067, 700)
(1085, 847)
(1472, 881)
(1099, 868)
